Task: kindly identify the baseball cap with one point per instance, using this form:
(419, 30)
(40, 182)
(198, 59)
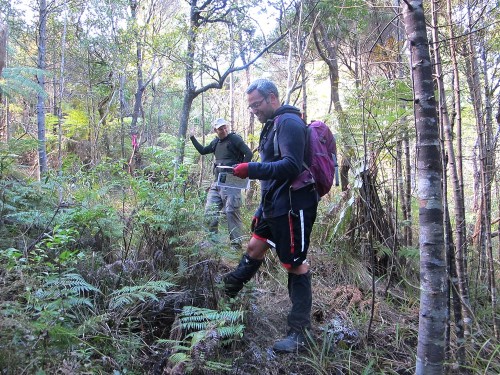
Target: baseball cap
(218, 123)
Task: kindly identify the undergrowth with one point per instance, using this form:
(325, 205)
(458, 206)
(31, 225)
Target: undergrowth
(107, 272)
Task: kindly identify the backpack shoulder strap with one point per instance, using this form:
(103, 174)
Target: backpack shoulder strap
(275, 138)
(216, 143)
(275, 141)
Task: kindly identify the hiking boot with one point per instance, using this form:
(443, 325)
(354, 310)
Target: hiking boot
(294, 342)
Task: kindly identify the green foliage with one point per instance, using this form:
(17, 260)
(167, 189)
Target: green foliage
(376, 116)
(58, 296)
(19, 81)
(76, 124)
(320, 356)
(170, 145)
(207, 330)
(199, 319)
(11, 151)
(129, 295)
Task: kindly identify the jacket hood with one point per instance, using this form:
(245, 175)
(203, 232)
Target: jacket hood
(288, 109)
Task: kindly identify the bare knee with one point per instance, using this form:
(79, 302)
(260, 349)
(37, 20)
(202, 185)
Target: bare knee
(256, 249)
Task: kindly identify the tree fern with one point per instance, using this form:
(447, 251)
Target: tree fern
(19, 80)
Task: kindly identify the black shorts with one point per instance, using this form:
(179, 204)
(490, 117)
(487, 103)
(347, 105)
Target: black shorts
(288, 234)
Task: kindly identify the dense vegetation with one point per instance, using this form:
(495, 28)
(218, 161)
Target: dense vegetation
(105, 267)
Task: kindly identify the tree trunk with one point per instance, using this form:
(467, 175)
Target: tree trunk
(61, 95)
(403, 173)
(3, 62)
(122, 114)
(189, 80)
(328, 50)
(486, 167)
(401, 190)
(433, 273)
(190, 91)
(447, 136)
(42, 151)
(3, 45)
(461, 261)
(134, 133)
(406, 145)
(488, 180)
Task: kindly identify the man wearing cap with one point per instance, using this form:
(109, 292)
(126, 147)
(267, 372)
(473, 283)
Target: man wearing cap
(229, 149)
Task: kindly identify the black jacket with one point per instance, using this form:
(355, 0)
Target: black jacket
(277, 172)
(228, 151)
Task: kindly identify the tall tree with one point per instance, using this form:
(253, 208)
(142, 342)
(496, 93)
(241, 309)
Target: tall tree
(42, 40)
(3, 45)
(150, 8)
(337, 25)
(433, 273)
(3, 63)
(449, 164)
(456, 165)
(211, 13)
(482, 110)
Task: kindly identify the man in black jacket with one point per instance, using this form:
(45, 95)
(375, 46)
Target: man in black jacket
(285, 218)
(229, 149)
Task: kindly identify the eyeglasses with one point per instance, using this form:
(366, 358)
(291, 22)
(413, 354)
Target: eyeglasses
(256, 104)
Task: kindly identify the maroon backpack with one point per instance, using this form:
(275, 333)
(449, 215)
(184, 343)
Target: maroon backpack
(320, 159)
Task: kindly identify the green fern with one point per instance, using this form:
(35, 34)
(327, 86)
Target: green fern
(66, 291)
(71, 282)
(19, 80)
(131, 294)
(207, 330)
(198, 319)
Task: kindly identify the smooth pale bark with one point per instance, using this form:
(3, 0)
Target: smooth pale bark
(3, 63)
(458, 190)
(42, 36)
(408, 193)
(433, 272)
(450, 165)
(486, 165)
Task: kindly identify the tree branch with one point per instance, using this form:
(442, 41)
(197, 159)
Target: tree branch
(218, 84)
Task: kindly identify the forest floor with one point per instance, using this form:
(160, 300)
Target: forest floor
(341, 314)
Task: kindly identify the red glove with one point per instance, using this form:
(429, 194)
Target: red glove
(241, 170)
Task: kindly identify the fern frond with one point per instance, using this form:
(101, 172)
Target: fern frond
(72, 282)
(19, 80)
(231, 331)
(179, 357)
(131, 294)
(70, 302)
